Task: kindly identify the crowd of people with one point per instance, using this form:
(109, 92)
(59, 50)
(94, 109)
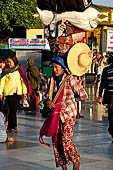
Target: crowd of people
(99, 62)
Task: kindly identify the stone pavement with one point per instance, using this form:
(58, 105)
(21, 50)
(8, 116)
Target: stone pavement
(90, 136)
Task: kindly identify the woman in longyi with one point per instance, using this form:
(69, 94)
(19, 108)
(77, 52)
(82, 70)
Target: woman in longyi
(65, 150)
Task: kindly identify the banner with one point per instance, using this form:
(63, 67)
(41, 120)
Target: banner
(23, 43)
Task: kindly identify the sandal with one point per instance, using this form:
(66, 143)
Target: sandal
(10, 140)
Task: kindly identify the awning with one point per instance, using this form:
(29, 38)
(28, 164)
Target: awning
(5, 51)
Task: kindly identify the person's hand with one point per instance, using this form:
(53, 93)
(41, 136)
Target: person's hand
(1, 97)
(38, 91)
(99, 100)
(50, 104)
(25, 96)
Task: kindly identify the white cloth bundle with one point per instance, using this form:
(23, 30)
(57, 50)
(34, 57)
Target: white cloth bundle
(45, 16)
(83, 20)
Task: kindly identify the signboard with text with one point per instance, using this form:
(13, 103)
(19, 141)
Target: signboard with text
(109, 46)
(22, 43)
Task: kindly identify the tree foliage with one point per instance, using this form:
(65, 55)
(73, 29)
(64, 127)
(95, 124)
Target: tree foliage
(18, 12)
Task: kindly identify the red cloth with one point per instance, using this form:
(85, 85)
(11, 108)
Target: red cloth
(25, 79)
(36, 99)
(51, 124)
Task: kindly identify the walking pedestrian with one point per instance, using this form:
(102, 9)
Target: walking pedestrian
(106, 86)
(64, 150)
(34, 77)
(3, 103)
(13, 84)
(97, 68)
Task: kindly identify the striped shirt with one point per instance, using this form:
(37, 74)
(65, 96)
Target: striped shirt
(107, 80)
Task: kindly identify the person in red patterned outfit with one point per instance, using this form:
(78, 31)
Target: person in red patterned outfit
(65, 151)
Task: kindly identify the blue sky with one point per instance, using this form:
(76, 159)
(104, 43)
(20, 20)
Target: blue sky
(103, 2)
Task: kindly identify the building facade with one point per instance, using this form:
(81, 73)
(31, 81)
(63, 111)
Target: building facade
(96, 38)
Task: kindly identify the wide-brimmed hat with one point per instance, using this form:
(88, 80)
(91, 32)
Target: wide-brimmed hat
(79, 59)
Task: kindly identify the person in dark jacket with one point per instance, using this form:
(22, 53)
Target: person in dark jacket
(34, 77)
(106, 84)
(33, 74)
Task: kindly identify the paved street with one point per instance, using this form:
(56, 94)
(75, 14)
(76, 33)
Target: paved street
(91, 138)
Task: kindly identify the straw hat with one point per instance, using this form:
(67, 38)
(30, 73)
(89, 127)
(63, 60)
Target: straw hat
(79, 59)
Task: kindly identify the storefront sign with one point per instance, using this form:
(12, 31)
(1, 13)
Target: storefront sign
(109, 40)
(23, 43)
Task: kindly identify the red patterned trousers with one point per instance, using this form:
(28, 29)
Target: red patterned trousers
(65, 151)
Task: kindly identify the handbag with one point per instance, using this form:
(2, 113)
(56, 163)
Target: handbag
(51, 124)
